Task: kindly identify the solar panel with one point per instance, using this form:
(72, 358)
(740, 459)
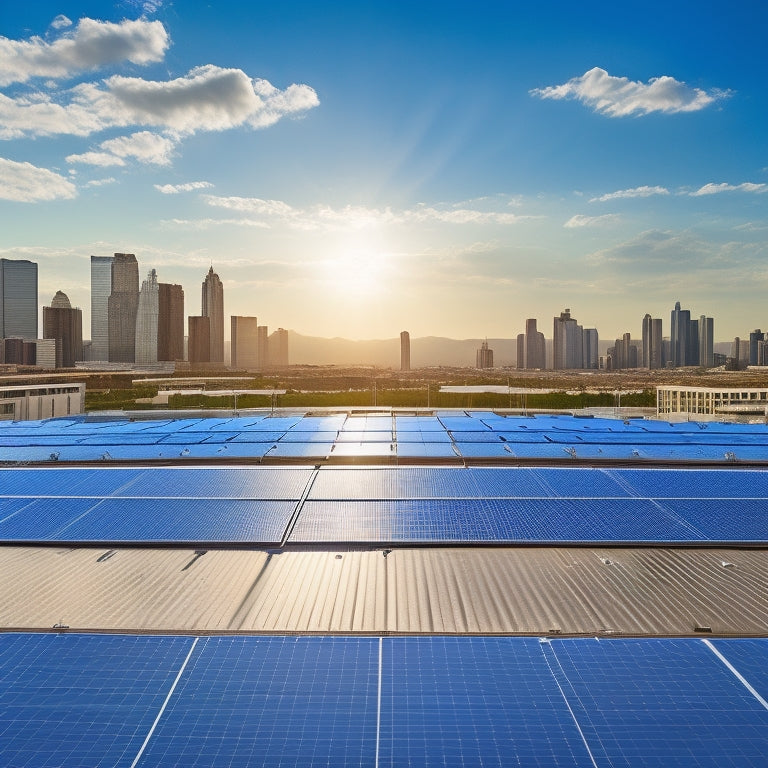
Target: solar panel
(475, 702)
(40, 519)
(82, 699)
(179, 520)
(659, 702)
(277, 701)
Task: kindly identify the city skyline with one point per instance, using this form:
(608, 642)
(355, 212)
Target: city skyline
(445, 168)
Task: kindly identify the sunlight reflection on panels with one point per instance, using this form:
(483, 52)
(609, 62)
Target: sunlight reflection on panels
(364, 449)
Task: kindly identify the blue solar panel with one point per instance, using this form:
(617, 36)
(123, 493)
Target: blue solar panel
(179, 520)
(64, 482)
(473, 702)
(431, 450)
(659, 702)
(749, 658)
(724, 519)
(222, 483)
(82, 700)
(40, 519)
(272, 701)
(394, 483)
(696, 483)
(529, 520)
(308, 450)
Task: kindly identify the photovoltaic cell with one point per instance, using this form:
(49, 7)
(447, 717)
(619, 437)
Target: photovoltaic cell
(473, 702)
(749, 657)
(272, 701)
(40, 519)
(180, 520)
(82, 700)
(659, 702)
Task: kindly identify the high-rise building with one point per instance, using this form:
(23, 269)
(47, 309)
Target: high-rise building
(484, 356)
(278, 349)
(535, 351)
(244, 342)
(652, 356)
(213, 307)
(147, 319)
(405, 351)
(684, 338)
(707, 341)
(591, 353)
(170, 322)
(567, 342)
(754, 339)
(64, 324)
(122, 308)
(262, 347)
(101, 288)
(18, 299)
(199, 344)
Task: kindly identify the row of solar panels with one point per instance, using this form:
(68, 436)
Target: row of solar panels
(269, 506)
(351, 701)
(448, 436)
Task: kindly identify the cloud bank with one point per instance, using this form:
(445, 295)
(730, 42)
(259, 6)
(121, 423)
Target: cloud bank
(625, 194)
(621, 97)
(26, 183)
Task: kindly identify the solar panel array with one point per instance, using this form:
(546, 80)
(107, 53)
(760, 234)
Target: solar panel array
(382, 505)
(71, 699)
(445, 435)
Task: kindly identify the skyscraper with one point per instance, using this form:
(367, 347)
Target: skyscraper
(101, 288)
(707, 341)
(684, 338)
(262, 333)
(652, 343)
(213, 307)
(405, 351)
(18, 299)
(170, 322)
(535, 346)
(147, 320)
(122, 308)
(484, 356)
(245, 342)
(199, 346)
(567, 342)
(64, 325)
(590, 353)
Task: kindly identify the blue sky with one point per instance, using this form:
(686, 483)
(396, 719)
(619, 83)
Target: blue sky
(356, 169)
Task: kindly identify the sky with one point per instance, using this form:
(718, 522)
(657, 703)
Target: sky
(360, 168)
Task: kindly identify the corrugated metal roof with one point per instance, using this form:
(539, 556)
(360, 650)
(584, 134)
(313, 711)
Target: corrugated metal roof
(434, 590)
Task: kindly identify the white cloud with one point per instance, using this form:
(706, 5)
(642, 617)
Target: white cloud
(209, 98)
(623, 194)
(61, 22)
(620, 97)
(714, 189)
(356, 217)
(174, 189)
(101, 182)
(91, 44)
(578, 221)
(26, 183)
(146, 147)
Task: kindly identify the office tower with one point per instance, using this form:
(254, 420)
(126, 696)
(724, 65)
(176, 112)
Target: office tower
(484, 356)
(652, 356)
(262, 347)
(245, 342)
(568, 342)
(590, 352)
(213, 307)
(754, 339)
(64, 324)
(122, 307)
(520, 356)
(405, 351)
(45, 353)
(707, 341)
(278, 348)
(18, 299)
(101, 288)
(684, 338)
(535, 346)
(170, 322)
(199, 344)
(147, 319)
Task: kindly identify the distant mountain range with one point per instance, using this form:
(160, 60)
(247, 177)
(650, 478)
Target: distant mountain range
(425, 351)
